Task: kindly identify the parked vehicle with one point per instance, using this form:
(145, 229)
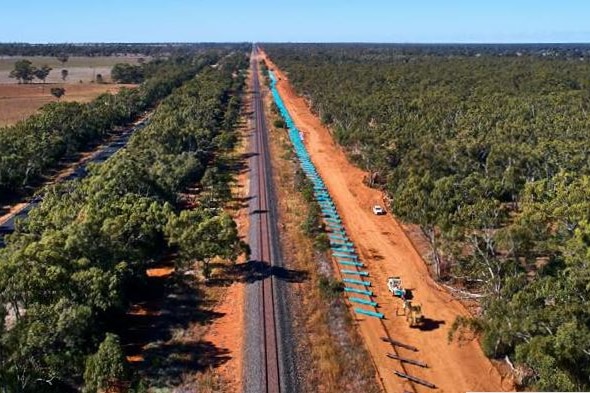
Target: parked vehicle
(378, 210)
(394, 284)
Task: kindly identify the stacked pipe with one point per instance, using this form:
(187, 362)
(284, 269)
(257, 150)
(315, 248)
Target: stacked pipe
(356, 280)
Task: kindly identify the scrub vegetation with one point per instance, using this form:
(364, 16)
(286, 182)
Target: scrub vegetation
(32, 147)
(67, 273)
(486, 149)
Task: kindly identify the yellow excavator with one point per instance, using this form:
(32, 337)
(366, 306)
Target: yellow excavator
(413, 313)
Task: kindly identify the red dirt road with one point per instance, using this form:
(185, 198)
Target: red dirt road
(386, 250)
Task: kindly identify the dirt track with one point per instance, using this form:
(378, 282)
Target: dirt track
(386, 250)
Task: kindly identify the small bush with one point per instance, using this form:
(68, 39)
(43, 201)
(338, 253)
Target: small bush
(279, 123)
(329, 287)
(322, 242)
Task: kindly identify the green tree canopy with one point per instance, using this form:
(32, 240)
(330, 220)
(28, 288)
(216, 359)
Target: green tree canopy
(23, 71)
(127, 73)
(106, 370)
(58, 92)
(43, 72)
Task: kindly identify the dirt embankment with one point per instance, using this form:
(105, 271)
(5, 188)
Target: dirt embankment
(386, 250)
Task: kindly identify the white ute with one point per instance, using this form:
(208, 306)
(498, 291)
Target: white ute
(378, 210)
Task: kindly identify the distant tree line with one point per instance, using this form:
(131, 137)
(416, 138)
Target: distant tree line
(361, 52)
(490, 157)
(114, 49)
(67, 273)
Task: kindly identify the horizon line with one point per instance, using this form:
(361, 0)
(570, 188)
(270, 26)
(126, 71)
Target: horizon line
(298, 42)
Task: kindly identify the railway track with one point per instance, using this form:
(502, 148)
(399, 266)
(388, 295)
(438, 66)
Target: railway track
(262, 209)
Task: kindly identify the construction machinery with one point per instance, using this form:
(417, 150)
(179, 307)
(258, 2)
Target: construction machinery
(394, 284)
(413, 313)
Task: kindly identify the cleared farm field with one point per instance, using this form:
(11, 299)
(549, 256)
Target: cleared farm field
(17, 102)
(79, 68)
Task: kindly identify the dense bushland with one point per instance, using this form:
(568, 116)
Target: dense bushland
(33, 146)
(116, 49)
(67, 272)
(490, 156)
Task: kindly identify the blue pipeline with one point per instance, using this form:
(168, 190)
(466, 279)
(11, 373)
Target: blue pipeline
(339, 248)
(347, 259)
(354, 272)
(347, 263)
(358, 282)
(363, 301)
(343, 248)
(333, 223)
(360, 291)
(338, 241)
(369, 313)
(337, 232)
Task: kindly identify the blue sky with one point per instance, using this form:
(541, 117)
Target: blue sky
(302, 21)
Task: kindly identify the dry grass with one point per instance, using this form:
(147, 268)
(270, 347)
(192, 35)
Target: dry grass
(331, 369)
(17, 102)
(79, 69)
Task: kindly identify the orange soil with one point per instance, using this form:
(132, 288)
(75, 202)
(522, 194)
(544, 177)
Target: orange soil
(135, 358)
(160, 271)
(386, 250)
(227, 332)
(17, 102)
(11, 210)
